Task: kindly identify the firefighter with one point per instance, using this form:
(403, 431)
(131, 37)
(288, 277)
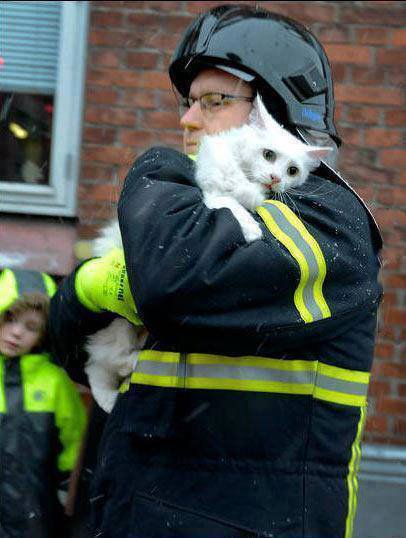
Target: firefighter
(244, 413)
(42, 418)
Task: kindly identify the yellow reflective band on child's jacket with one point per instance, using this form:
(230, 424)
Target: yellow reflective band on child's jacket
(102, 284)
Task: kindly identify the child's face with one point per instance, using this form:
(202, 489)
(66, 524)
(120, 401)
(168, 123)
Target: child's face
(19, 334)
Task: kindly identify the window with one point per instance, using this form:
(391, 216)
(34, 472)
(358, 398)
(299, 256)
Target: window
(42, 69)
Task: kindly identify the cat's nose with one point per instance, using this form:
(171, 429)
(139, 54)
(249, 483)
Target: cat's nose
(275, 180)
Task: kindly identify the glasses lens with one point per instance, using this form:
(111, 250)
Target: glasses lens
(212, 101)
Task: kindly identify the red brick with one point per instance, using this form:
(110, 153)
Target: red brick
(99, 210)
(392, 197)
(142, 60)
(379, 15)
(159, 23)
(137, 138)
(392, 406)
(397, 317)
(167, 100)
(386, 332)
(395, 281)
(129, 79)
(378, 388)
(393, 256)
(333, 34)
(98, 192)
(340, 72)
(88, 231)
(101, 96)
(368, 75)
(160, 120)
(393, 157)
(108, 154)
(138, 99)
(389, 216)
(106, 18)
(371, 36)
(402, 390)
(350, 135)
(301, 11)
(372, 95)
(105, 58)
(110, 116)
(395, 117)
(376, 424)
(365, 114)
(399, 426)
(99, 135)
(113, 38)
(395, 57)
(399, 37)
(352, 54)
(173, 139)
(382, 137)
(395, 75)
(384, 351)
(91, 171)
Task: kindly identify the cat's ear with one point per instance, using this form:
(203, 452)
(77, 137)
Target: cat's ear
(317, 153)
(258, 115)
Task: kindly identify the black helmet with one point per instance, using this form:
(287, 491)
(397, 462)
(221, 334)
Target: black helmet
(283, 60)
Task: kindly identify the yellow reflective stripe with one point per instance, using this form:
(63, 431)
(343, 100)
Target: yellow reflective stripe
(318, 254)
(344, 374)
(288, 229)
(338, 397)
(297, 255)
(352, 480)
(258, 374)
(161, 356)
(254, 361)
(155, 380)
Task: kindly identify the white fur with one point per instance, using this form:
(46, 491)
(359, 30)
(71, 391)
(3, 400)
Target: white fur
(113, 351)
(232, 172)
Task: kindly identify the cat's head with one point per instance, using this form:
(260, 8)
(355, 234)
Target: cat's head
(282, 161)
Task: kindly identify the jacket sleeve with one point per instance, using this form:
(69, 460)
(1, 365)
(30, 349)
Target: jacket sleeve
(198, 285)
(71, 420)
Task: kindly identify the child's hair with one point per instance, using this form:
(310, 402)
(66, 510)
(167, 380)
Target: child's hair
(29, 301)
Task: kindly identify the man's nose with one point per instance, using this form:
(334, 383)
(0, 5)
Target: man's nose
(191, 119)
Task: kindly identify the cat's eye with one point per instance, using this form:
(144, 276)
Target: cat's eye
(269, 155)
(293, 171)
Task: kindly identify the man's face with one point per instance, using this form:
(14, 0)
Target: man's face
(197, 122)
(20, 333)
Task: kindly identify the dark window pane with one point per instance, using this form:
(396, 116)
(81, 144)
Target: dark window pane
(25, 137)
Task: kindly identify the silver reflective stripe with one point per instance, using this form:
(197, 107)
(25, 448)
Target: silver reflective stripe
(247, 373)
(302, 245)
(339, 385)
(157, 368)
(29, 281)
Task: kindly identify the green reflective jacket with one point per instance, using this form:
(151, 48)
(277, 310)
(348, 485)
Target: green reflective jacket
(42, 421)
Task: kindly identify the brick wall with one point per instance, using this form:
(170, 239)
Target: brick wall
(129, 107)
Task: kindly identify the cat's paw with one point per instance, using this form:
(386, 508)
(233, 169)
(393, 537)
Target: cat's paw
(251, 230)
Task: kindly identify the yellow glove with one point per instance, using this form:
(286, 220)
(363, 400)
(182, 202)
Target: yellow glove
(102, 284)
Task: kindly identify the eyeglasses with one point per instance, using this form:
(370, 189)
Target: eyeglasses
(211, 102)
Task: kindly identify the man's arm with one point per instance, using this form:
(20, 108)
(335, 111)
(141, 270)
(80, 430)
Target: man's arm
(86, 301)
(196, 282)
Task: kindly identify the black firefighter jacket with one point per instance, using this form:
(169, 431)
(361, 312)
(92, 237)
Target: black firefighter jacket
(247, 405)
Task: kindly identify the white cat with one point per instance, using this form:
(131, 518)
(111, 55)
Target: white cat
(112, 351)
(239, 168)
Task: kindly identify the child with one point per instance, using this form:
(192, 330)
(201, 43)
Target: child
(42, 417)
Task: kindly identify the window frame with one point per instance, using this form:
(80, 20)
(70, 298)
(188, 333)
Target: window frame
(59, 197)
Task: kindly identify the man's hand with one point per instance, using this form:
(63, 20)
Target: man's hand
(102, 284)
